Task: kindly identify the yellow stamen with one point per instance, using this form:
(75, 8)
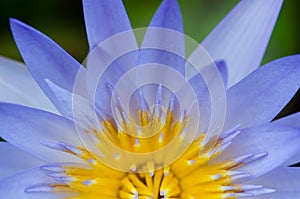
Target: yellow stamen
(190, 176)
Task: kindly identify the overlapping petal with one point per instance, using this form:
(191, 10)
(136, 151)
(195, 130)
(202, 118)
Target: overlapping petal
(290, 120)
(277, 195)
(242, 37)
(169, 46)
(17, 86)
(204, 103)
(99, 27)
(259, 97)
(168, 16)
(239, 40)
(223, 68)
(14, 186)
(13, 160)
(275, 144)
(27, 128)
(285, 180)
(45, 60)
(210, 93)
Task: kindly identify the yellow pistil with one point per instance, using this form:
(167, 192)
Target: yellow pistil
(189, 177)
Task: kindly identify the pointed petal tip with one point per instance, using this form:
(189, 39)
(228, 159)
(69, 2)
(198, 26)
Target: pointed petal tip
(15, 23)
(242, 36)
(174, 2)
(279, 79)
(13, 20)
(104, 19)
(162, 17)
(45, 59)
(20, 29)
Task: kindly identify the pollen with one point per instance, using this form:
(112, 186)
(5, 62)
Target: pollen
(193, 175)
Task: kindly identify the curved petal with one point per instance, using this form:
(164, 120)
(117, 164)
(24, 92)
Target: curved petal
(27, 128)
(14, 186)
(290, 120)
(242, 37)
(209, 92)
(12, 160)
(164, 40)
(204, 103)
(281, 179)
(84, 113)
(294, 160)
(45, 60)
(263, 93)
(223, 68)
(279, 142)
(168, 16)
(17, 86)
(101, 85)
(104, 19)
(285, 180)
(277, 195)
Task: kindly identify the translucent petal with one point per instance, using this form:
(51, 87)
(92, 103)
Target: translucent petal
(284, 179)
(168, 16)
(45, 60)
(27, 128)
(14, 186)
(242, 36)
(275, 144)
(263, 93)
(98, 25)
(17, 86)
(13, 160)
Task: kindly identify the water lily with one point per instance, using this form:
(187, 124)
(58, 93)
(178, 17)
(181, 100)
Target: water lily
(146, 121)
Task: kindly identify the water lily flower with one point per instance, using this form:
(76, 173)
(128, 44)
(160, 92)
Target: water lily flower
(148, 121)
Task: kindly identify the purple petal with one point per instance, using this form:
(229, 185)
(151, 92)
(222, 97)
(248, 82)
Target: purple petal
(290, 120)
(279, 142)
(27, 128)
(14, 186)
(293, 160)
(203, 98)
(168, 16)
(164, 42)
(17, 86)
(285, 180)
(259, 97)
(45, 60)
(223, 68)
(12, 160)
(102, 85)
(281, 179)
(242, 37)
(83, 111)
(211, 94)
(277, 195)
(104, 19)
(214, 74)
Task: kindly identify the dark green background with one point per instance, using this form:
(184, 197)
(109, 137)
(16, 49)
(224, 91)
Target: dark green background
(62, 20)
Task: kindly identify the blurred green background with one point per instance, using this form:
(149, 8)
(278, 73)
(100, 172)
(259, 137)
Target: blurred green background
(62, 20)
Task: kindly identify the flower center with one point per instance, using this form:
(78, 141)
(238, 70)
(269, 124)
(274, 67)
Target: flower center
(192, 175)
